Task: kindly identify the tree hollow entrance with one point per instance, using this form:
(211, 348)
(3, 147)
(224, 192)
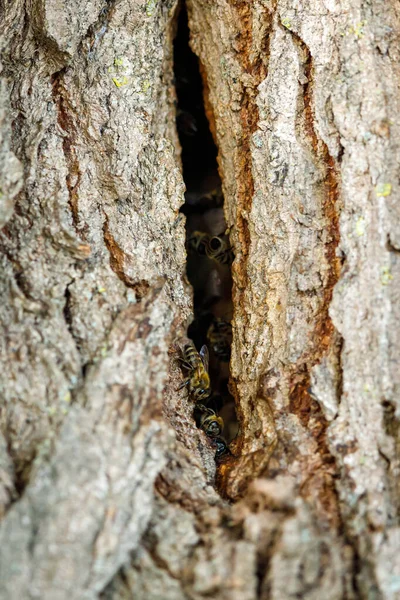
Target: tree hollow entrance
(209, 255)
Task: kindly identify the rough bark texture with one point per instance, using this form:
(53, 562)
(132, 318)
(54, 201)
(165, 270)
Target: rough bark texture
(106, 485)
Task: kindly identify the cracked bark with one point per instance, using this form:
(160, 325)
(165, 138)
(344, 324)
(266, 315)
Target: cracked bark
(106, 484)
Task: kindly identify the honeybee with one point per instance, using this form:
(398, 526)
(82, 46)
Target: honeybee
(196, 363)
(219, 335)
(221, 445)
(209, 422)
(198, 242)
(219, 249)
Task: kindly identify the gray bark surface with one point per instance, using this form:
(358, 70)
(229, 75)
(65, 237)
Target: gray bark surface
(108, 489)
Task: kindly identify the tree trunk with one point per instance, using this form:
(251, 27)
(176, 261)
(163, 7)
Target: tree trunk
(107, 487)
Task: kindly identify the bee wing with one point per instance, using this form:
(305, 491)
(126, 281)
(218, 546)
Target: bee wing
(204, 356)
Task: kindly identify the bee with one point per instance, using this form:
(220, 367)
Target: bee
(219, 335)
(196, 363)
(219, 249)
(198, 241)
(209, 422)
(222, 447)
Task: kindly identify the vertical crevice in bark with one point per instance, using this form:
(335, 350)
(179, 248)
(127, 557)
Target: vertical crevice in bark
(66, 123)
(98, 29)
(67, 309)
(20, 472)
(208, 247)
(117, 262)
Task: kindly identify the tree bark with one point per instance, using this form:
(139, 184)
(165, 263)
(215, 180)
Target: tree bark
(107, 487)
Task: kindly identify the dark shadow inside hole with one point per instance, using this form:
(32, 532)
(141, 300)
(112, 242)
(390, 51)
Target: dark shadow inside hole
(199, 153)
(208, 268)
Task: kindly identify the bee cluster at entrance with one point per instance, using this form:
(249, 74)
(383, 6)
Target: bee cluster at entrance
(205, 359)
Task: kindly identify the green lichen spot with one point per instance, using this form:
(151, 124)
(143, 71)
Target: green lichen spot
(383, 190)
(286, 23)
(360, 226)
(358, 29)
(145, 86)
(386, 276)
(101, 290)
(120, 81)
(118, 61)
(151, 7)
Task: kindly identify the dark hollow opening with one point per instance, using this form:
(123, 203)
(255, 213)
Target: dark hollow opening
(209, 255)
